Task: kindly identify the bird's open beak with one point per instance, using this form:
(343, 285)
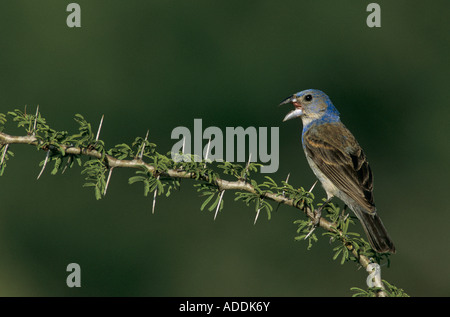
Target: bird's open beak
(297, 112)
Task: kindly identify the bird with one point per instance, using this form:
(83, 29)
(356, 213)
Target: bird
(339, 162)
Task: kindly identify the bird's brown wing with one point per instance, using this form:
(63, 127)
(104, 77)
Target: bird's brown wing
(338, 155)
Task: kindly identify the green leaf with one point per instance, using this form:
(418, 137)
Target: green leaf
(98, 194)
(206, 202)
(335, 256)
(135, 179)
(215, 203)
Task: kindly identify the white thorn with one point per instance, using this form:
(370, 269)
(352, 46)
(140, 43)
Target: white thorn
(99, 128)
(4, 153)
(154, 198)
(257, 213)
(312, 187)
(287, 179)
(312, 230)
(107, 181)
(45, 164)
(143, 146)
(218, 205)
(248, 163)
(249, 159)
(35, 120)
(346, 216)
(207, 151)
(67, 164)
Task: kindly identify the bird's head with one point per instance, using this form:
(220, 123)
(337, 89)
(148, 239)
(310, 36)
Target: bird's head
(310, 105)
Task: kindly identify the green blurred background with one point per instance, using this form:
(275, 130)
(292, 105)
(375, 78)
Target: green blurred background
(159, 64)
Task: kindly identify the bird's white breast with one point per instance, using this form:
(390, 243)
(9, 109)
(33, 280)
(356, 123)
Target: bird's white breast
(326, 183)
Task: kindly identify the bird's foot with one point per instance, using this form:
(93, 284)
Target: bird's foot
(315, 222)
(318, 212)
(317, 216)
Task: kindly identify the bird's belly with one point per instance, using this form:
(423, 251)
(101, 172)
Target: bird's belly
(329, 187)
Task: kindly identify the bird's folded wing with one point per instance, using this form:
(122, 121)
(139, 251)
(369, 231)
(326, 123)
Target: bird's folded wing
(338, 155)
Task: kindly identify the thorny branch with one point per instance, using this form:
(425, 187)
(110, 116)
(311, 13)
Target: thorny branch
(221, 183)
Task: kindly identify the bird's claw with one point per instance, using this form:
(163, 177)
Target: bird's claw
(317, 216)
(315, 222)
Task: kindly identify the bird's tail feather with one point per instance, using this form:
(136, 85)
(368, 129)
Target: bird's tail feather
(376, 232)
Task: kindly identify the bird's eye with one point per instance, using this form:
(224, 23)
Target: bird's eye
(308, 97)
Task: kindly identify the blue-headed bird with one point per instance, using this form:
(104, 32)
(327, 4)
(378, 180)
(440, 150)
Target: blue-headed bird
(339, 162)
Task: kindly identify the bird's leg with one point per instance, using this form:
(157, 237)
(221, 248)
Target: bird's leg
(317, 216)
(318, 212)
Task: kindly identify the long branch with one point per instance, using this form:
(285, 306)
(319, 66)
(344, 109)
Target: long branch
(222, 184)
